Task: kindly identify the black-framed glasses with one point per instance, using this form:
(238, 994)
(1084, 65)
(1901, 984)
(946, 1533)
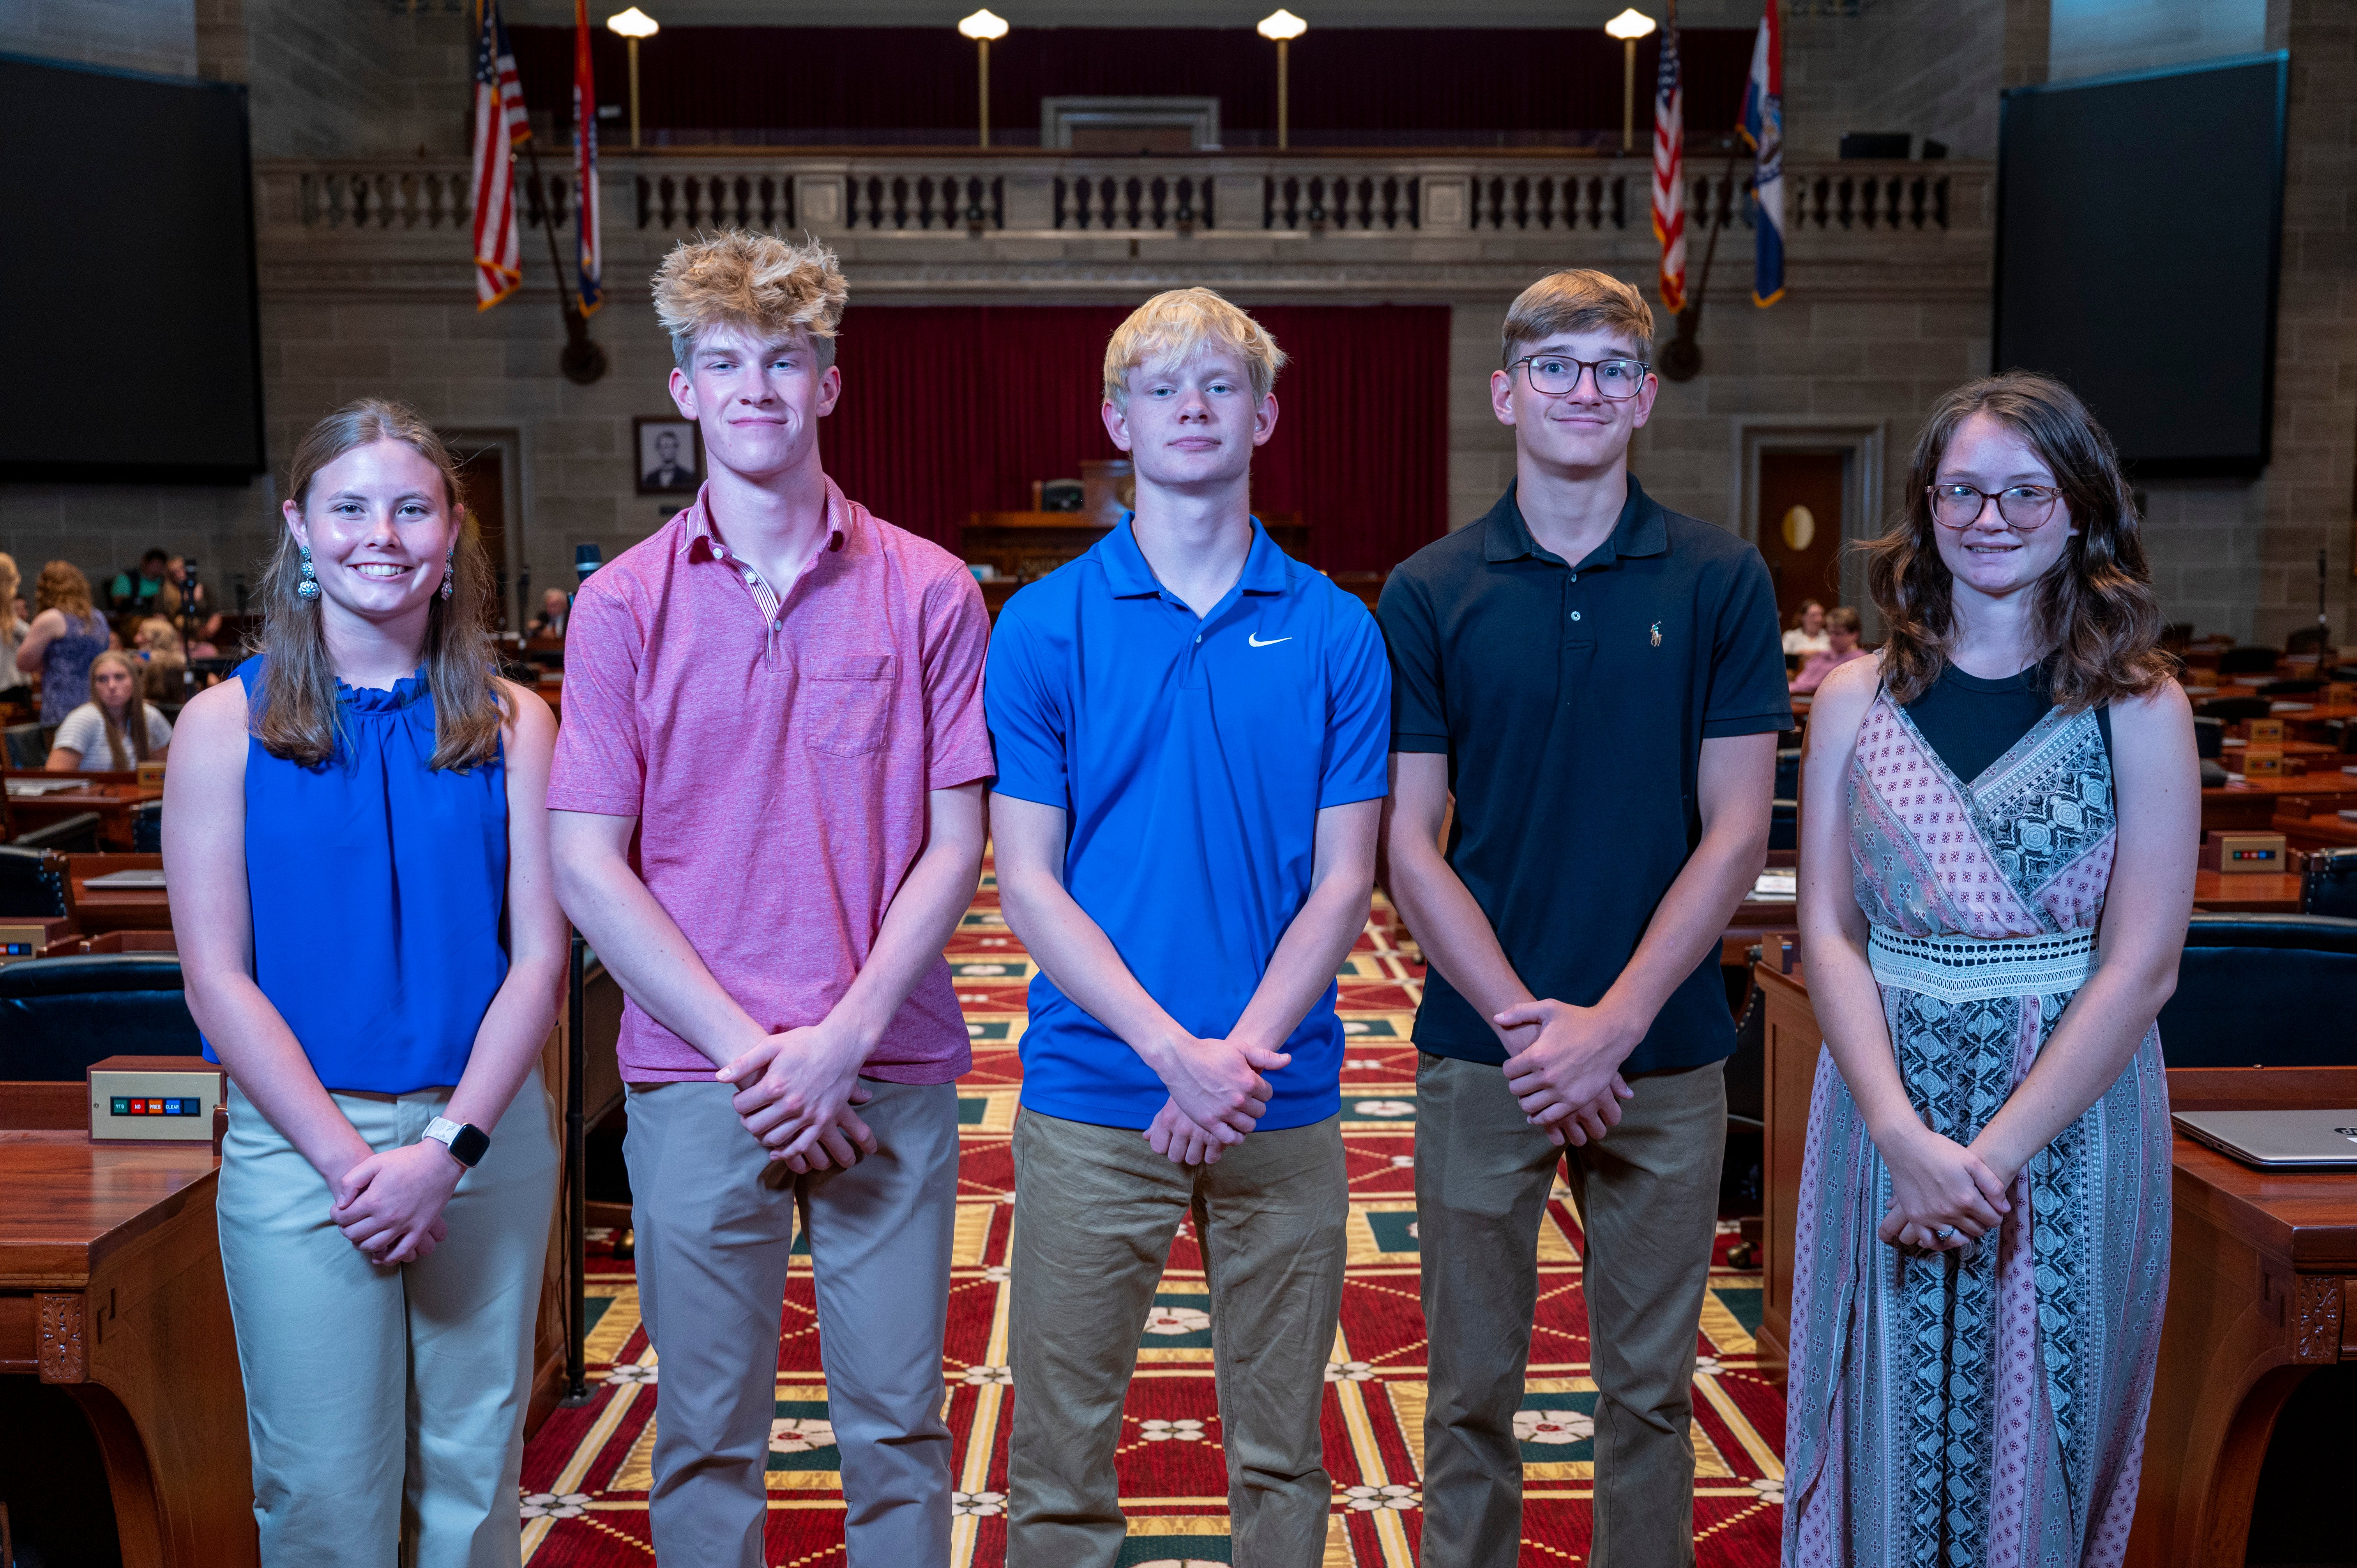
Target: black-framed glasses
(1555, 374)
(2023, 507)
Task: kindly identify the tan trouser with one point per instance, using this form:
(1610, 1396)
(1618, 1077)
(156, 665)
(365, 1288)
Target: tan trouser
(1648, 1197)
(1095, 1210)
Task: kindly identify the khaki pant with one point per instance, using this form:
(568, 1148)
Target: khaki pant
(715, 1218)
(386, 1405)
(1648, 1197)
(1095, 1211)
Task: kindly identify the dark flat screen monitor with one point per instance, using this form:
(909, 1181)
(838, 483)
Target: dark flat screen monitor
(2139, 231)
(127, 294)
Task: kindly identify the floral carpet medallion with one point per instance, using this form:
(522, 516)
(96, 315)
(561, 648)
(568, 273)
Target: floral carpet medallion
(586, 1473)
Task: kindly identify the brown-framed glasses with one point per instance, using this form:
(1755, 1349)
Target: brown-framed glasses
(2023, 507)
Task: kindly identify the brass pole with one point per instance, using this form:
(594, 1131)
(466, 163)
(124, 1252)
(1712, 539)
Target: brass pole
(1282, 105)
(1627, 96)
(634, 95)
(984, 45)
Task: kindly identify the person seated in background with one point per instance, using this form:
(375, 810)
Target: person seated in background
(179, 593)
(66, 635)
(162, 659)
(115, 731)
(1807, 635)
(138, 590)
(13, 625)
(1841, 632)
(555, 609)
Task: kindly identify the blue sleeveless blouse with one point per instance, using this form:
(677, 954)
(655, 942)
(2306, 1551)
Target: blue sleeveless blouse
(65, 666)
(378, 890)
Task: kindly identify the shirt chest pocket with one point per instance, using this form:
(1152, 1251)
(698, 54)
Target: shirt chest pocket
(843, 706)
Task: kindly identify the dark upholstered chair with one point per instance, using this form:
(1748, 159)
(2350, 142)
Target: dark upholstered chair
(32, 883)
(2305, 639)
(147, 828)
(2330, 887)
(27, 747)
(57, 1015)
(2264, 991)
(2235, 710)
(2248, 660)
(2209, 736)
(1788, 774)
(1783, 825)
(2290, 688)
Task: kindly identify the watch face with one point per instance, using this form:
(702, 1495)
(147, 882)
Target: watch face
(471, 1144)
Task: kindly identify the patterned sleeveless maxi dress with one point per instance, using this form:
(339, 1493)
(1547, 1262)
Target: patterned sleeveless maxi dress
(1984, 1406)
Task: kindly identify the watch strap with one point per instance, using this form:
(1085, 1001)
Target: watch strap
(468, 1143)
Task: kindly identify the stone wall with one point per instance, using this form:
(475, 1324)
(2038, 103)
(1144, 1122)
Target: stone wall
(2102, 38)
(158, 36)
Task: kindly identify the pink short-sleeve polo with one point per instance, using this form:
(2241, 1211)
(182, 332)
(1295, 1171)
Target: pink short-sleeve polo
(777, 755)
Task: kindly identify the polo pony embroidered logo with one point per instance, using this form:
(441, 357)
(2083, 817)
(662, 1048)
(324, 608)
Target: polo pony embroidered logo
(1253, 638)
(1657, 634)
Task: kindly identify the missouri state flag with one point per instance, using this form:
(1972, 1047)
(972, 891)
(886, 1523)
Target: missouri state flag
(1763, 127)
(590, 242)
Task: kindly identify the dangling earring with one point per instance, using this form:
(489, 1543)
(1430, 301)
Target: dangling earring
(450, 571)
(308, 588)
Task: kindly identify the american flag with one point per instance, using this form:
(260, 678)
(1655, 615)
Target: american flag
(590, 243)
(1669, 170)
(500, 125)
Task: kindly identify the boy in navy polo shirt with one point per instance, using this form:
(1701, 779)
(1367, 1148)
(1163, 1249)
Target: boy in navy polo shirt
(1597, 683)
(1192, 732)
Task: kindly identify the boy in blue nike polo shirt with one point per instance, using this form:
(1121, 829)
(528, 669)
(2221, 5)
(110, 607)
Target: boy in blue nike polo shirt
(1192, 732)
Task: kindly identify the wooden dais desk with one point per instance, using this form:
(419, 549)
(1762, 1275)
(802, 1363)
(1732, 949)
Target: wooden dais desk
(2262, 1274)
(102, 909)
(111, 1288)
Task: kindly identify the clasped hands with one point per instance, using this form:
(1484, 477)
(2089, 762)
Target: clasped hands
(1217, 1095)
(796, 1091)
(1943, 1195)
(390, 1205)
(1564, 1067)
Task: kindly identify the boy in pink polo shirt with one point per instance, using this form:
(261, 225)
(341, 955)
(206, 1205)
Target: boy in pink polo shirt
(767, 819)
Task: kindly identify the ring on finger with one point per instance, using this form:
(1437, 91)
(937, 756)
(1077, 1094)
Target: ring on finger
(1944, 1233)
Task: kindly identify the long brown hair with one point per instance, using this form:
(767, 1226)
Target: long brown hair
(62, 587)
(126, 737)
(297, 716)
(2094, 608)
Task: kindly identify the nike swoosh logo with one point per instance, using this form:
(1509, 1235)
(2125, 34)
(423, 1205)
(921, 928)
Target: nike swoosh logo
(1254, 639)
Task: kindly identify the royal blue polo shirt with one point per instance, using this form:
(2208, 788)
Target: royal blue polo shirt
(1191, 759)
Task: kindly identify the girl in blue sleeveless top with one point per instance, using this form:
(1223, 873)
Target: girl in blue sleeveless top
(357, 849)
(66, 636)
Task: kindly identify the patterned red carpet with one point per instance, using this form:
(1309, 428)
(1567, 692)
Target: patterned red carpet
(586, 1473)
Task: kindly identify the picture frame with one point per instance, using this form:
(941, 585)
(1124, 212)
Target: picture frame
(666, 455)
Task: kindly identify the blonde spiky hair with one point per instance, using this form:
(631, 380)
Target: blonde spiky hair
(753, 281)
(1169, 327)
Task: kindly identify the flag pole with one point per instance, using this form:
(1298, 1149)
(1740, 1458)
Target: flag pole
(1682, 356)
(583, 359)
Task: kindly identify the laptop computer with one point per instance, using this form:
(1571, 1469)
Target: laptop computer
(2277, 1139)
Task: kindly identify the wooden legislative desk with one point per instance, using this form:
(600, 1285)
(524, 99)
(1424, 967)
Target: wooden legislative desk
(111, 795)
(111, 1288)
(98, 910)
(2251, 807)
(2323, 830)
(2263, 1277)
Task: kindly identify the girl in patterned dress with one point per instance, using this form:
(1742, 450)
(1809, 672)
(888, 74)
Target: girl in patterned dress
(1999, 821)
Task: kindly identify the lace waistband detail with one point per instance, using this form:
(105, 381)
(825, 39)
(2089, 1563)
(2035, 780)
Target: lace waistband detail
(1969, 969)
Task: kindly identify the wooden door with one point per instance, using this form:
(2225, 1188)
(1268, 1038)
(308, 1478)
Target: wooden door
(1800, 528)
(483, 471)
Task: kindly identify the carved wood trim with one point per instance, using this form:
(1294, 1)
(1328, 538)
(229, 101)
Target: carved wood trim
(2315, 1319)
(65, 1357)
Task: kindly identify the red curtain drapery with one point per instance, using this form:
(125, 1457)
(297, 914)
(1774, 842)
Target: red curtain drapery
(950, 410)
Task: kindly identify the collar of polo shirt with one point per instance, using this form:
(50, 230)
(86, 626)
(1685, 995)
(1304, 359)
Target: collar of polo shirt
(701, 543)
(1129, 575)
(1639, 530)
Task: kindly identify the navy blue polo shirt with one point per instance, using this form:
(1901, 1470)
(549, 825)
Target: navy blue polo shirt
(1191, 759)
(1572, 702)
